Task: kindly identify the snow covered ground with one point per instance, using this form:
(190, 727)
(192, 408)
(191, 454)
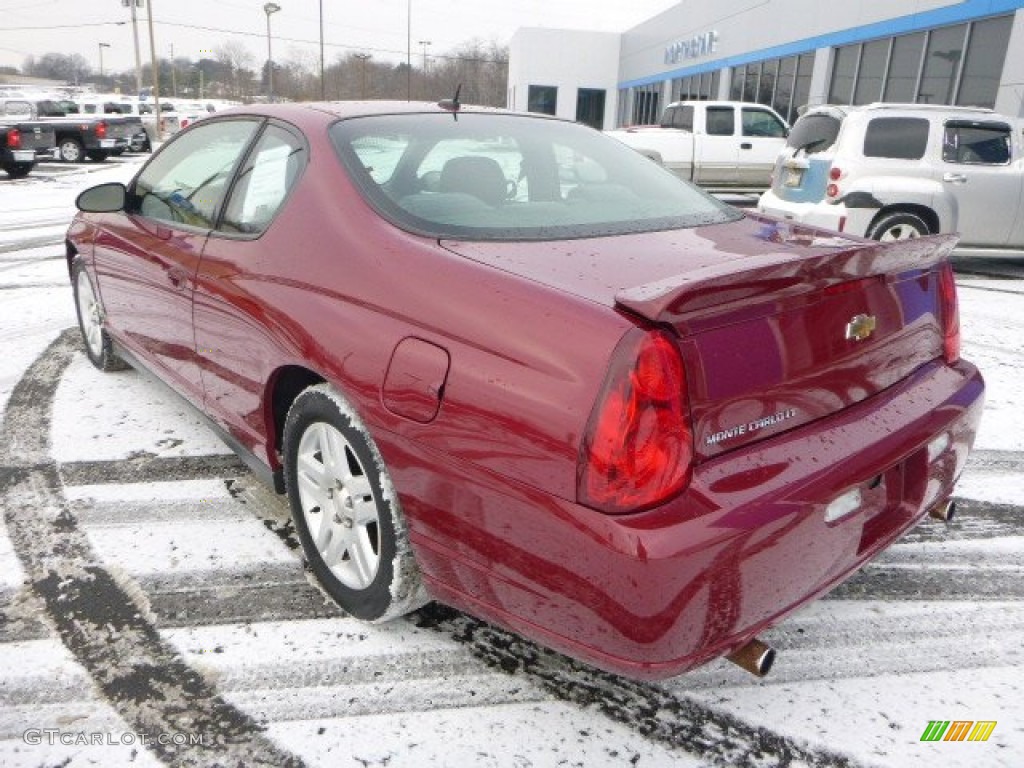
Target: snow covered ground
(932, 631)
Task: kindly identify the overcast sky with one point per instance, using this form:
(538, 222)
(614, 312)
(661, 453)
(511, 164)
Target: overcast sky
(374, 26)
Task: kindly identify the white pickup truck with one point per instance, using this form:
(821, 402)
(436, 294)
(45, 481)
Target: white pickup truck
(720, 145)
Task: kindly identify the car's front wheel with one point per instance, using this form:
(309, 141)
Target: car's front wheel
(90, 320)
(898, 226)
(346, 512)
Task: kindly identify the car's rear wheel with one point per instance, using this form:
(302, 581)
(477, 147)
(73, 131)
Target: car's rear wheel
(898, 226)
(345, 509)
(70, 150)
(18, 170)
(90, 320)
(99, 155)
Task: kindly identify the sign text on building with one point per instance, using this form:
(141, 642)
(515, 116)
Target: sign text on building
(693, 48)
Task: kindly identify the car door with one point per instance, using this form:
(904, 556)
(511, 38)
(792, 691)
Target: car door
(762, 137)
(234, 326)
(146, 257)
(979, 173)
(717, 148)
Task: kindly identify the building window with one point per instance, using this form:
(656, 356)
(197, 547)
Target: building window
(961, 64)
(942, 65)
(783, 84)
(696, 87)
(590, 107)
(904, 63)
(543, 99)
(646, 104)
(983, 67)
(871, 72)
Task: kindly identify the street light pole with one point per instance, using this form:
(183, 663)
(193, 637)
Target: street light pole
(362, 73)
(102, 46)
(268, 9)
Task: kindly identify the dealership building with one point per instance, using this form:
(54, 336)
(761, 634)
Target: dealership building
(785, 53)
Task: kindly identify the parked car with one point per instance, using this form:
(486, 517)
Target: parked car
(84, 136)
(720, 145)
(23, 141)
(896, 171)
(505, 362)
(134, 113)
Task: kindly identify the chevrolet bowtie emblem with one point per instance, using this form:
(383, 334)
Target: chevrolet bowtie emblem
(860, 327)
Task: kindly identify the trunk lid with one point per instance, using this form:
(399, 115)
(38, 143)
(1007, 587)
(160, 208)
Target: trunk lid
(779, 325)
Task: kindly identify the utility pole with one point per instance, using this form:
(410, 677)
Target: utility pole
(135, 36)
(408, 51)
(174, 75)
(323, 85)
(156, 74)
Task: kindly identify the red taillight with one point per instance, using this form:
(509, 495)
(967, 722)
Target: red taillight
(14, 138)
(835, 174)
(949, 314)
(183, 123)
(101, 130)
(638, 448)
(832, 190)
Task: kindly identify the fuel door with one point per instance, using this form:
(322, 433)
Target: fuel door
(414, 384)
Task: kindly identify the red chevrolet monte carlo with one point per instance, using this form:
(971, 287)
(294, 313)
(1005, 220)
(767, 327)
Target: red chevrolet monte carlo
(505, 362)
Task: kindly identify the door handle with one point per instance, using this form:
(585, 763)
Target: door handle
(746, 145)
(954, 178)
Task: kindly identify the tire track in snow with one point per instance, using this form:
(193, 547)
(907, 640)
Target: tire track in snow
(101, 617)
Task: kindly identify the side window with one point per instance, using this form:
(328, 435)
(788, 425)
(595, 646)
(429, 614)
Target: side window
(721, 121)
(269, 174)
(186, 181)
(683, 119)
(898, 138)
(758, 122)
(980, 144)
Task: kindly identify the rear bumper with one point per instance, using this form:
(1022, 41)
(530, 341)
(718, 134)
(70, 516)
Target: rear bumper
(655, 594)
(838, 217)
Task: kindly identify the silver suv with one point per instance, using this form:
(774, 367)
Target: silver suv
(895, 171)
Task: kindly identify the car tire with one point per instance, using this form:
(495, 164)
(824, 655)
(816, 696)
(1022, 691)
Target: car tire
(898, 226)
(70, 150)
(345, 509)
(98, 155)
(90, 322)
(18, 170)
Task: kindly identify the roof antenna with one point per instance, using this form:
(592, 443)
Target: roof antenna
(452, 105)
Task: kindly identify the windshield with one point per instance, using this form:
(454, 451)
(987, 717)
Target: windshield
(513, 177)
(814, 133)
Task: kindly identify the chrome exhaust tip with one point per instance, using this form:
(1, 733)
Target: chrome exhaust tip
(755, 657)
(944, 511)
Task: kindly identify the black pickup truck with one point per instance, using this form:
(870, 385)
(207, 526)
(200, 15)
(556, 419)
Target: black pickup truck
(22, 140)
(86, 136)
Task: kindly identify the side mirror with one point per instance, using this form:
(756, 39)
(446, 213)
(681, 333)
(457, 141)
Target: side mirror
(103, 198)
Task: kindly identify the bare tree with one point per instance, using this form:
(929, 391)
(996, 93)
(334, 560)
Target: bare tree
(238, 60)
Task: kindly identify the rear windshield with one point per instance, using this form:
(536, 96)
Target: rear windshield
(513, 177)
(814, 133)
